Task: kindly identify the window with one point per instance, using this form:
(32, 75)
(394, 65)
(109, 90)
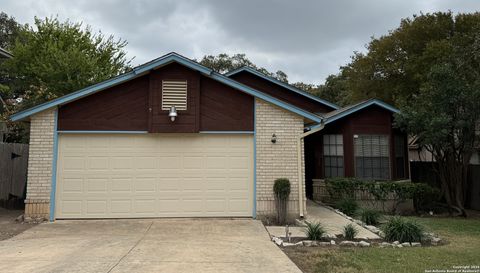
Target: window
(400, 156)
(372, 160)
(174, 93)
(333, 155)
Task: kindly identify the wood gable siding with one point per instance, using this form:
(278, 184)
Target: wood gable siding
(281, 93)
(211, 106)
(373, 120)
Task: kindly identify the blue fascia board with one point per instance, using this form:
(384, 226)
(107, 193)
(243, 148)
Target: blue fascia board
(169, 58)
(53, 188)
(246, 89)
(285, 85)
(102, 132)
(360, 107)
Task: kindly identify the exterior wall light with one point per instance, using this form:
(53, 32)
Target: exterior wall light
(173, 113)
(274, 138)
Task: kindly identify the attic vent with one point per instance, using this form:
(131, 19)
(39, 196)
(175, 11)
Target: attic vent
(174, 93)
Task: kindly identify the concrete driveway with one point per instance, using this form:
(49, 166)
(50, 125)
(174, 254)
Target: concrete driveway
(183, 245)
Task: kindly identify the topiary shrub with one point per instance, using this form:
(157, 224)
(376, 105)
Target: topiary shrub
(349, 232)
(403, 230)
(314, 231)
(281, 188)
(370, 216)
(347, 206)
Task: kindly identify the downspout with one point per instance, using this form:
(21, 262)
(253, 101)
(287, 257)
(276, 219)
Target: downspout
(299, 164)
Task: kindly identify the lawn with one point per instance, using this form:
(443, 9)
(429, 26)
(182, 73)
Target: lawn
(463, 248)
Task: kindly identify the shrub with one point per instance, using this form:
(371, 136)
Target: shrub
(314, 231)
(347, 206)
(370, 217)
(349, 232)
(281, 188)
(403, 230)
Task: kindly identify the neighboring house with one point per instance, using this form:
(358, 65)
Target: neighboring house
(417, 153)
(3, 104)
(172, 138)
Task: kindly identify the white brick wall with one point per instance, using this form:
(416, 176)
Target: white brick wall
(277, 160)
(42, 126)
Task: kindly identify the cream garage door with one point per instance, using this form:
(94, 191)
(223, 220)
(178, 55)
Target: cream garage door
(154, 175)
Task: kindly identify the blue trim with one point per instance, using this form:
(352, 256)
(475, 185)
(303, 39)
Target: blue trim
(282, 84)
(254, 160)
(167, 59)
(102, 132)
(226, 132)
(54, 168)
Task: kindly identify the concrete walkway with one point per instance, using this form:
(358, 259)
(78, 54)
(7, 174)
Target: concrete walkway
(330, 220)
(175, 245)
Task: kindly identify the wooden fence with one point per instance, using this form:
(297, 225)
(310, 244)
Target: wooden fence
(13, 174)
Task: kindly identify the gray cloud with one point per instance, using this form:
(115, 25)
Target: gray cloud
(306, 39)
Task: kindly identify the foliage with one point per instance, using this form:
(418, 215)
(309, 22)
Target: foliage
(350, 231)
(55, 58)
(281, 188)
(370, 216)
(399, 191)
(223, 63)
(347, 205)
(9, 29)
(403, 230)
(314, 231)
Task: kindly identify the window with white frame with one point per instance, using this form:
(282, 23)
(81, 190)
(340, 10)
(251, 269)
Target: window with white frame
(372, 157)
(333, 156)
(174, 93)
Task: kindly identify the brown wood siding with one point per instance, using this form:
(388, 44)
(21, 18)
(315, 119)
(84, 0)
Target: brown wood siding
(212, 106)
(223, 108)
(281, 92)
(374, 120)
(187, 121)
(122, 107)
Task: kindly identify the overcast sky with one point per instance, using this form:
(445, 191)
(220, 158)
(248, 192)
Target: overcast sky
(306, 39)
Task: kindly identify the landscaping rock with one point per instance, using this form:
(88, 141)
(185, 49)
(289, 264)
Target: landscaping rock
(332, 242)
(406, 244)
(399, 246)
(381, 234)
(288, 244)
(363, 244)
(330, 236)
(348, 243)
(308, 243)
(20, 218)
(358, 222)
(278, 241)
(373, 229)
(436, 241)
(385, 244)
(349, 218)
(416, 244)
(323, 243)
(396, 243)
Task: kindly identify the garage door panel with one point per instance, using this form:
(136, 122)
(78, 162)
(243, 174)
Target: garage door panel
(190, 175)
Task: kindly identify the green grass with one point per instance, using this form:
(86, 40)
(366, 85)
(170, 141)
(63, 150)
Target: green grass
(463, 248)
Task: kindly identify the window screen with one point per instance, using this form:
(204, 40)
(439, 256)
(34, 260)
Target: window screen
(174, 93)
(333, 155)
(372, 157)
(400, 156)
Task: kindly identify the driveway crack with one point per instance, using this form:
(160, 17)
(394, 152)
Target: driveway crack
(130, 250)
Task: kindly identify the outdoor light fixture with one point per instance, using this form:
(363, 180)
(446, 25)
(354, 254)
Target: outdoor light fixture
(173, 113)
(274, 138)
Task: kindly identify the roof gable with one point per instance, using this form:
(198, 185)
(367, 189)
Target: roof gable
(154, 64)
(282, 84)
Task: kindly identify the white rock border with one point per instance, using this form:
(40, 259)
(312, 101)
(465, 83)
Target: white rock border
(346, 243)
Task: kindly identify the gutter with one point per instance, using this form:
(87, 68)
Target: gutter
(299, 165)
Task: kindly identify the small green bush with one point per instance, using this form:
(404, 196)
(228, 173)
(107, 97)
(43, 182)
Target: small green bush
(314, 231)
(403, 230)
(281, 188)
(370, 217)
(347, 206)
(349, 232)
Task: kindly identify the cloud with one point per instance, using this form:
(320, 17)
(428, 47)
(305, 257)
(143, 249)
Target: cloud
(307, 39)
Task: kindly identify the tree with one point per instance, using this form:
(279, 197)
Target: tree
(223, 63)
(444, 113)
(9, 29)
(55, 58)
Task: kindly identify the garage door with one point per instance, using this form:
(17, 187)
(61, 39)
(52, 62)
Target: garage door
(154, 175)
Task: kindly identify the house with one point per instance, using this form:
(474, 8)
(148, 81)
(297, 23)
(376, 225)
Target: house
(172, 138)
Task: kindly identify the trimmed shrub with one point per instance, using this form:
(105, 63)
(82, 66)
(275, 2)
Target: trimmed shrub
(281, 188)
(349, 232)
(347, 206)
(403, 230)
(370, 216)
(314, 231)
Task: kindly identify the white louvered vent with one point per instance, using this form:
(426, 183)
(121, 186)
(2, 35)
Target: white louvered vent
(174, 93)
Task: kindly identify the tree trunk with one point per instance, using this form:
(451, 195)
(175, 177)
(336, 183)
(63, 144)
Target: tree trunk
(453, 177)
